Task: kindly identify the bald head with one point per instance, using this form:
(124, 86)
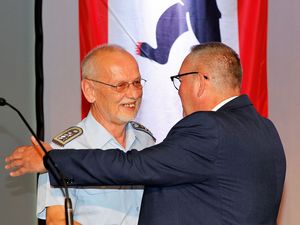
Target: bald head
(220, 63)
(102, 56)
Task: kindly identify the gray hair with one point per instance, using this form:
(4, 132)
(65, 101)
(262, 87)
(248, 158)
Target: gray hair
(89, 61)
(222, 62)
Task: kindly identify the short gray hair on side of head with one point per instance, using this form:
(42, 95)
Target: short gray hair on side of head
(89, 61)
(222, 61)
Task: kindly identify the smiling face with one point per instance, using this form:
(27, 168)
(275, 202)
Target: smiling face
(108, 105)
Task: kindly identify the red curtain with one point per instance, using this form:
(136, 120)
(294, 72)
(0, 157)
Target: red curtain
(253, 20)
(93, 31)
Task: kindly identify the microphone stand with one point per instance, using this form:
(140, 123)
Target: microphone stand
(52, 166)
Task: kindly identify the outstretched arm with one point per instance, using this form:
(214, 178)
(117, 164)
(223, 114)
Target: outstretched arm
(27, 159)
(187, 155)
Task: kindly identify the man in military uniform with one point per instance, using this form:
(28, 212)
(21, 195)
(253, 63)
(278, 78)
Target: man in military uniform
(113, 85)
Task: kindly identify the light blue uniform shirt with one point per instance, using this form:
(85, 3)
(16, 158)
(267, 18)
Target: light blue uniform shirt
(98, 205)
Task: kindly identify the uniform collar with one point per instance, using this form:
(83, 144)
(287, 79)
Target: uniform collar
(93, 128)
(131, 136)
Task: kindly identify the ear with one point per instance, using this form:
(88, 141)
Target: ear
(201, 85)
(88, 90)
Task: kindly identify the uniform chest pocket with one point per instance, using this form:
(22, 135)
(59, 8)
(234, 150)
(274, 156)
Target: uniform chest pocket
(101, 190)
(115, 197)
(105, 190)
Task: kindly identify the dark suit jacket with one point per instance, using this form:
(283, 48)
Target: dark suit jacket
(213, 168)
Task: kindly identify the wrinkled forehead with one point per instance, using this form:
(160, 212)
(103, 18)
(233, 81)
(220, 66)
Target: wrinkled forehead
(117, 66)
(109, 56)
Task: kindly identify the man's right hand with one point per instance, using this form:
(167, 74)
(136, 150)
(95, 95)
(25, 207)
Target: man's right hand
(27, 159)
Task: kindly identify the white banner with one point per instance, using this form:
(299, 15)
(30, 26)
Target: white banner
(167, 30)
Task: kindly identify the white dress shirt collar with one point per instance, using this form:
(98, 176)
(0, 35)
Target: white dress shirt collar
(223, 103)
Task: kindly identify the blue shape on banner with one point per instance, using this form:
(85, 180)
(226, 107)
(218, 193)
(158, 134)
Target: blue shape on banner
(204, 17)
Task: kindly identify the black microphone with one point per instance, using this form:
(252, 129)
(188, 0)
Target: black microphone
(51, 166)
(2, 101)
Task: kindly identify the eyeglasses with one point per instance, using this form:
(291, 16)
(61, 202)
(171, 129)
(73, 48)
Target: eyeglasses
(176, 79)
(123, 86)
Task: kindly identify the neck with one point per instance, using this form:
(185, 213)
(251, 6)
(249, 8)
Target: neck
(118, 131)
(214, 101)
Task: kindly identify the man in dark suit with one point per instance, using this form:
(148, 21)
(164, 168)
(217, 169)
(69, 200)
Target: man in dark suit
(221, 164)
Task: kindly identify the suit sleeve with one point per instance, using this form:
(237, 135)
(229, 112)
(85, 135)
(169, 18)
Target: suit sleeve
(187, 155)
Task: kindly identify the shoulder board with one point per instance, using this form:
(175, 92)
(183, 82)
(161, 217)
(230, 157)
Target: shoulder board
(68, 135)
(140, 127)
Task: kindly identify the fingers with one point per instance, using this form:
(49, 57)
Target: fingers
(25, 159)
(17, 165)
(17, 154)
(13, 164)
(33, 140)
(37, 146)
(17, 161)
(20, 171)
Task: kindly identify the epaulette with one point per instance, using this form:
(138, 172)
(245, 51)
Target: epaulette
(66, 136)
(140, 127)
